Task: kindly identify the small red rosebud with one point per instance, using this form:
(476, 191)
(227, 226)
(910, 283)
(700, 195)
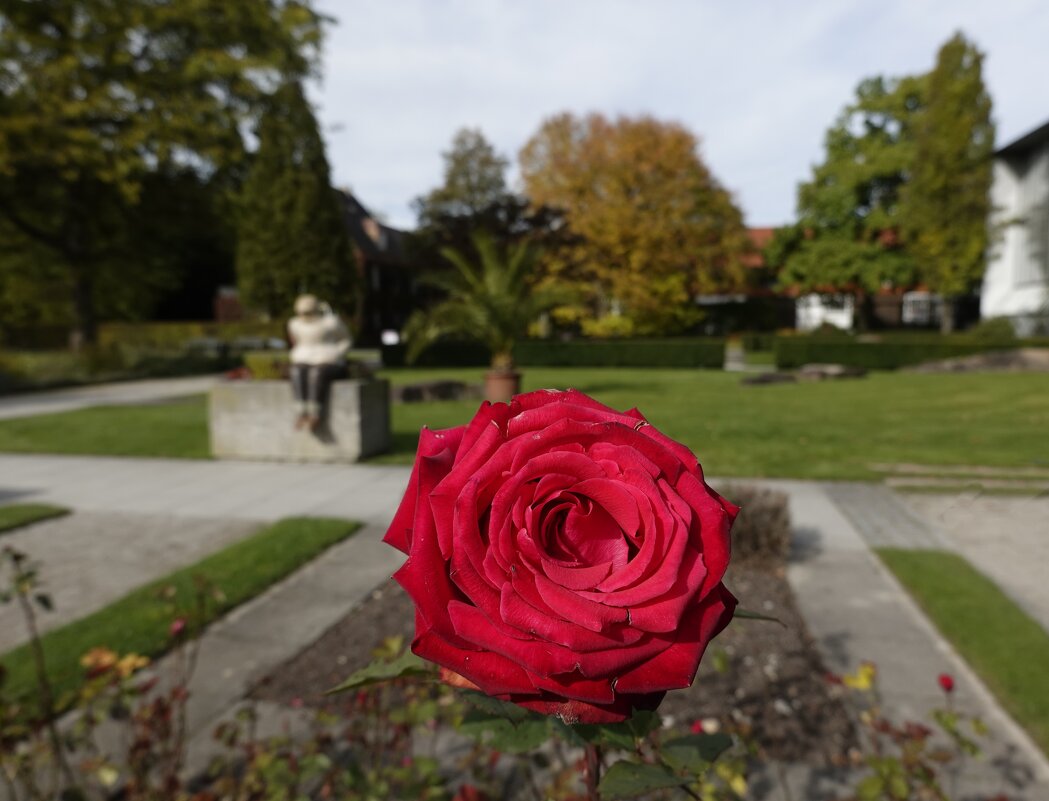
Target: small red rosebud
(832, 678)
(696, 727)
(178, 625)
(946, 681)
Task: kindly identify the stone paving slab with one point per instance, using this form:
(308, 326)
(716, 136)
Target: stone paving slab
(881, 516)
(89, 559)
(28, 404)
(1005, 538)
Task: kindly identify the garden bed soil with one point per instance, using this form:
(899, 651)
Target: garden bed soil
(761, 680)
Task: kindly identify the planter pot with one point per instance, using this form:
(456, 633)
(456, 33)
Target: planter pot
(500, 386)
(255, 420)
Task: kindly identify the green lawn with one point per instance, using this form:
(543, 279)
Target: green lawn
(175, 429)
(138, 622)
(829, 430)
(1008, 649)
(22, 514)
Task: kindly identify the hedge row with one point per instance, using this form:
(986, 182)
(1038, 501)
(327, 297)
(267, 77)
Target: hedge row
(28, 370)
(440, 354)
(706, 352)
(693, 352)
(888, 354)
(177, 335)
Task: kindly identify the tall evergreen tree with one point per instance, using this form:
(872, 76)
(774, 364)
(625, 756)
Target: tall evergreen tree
(947, 199)
(291, 231)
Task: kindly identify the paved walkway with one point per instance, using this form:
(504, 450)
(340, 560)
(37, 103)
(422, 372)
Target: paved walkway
(184, 488)
(90, 559)
(1005, 537)
(857, 611)
(119, 393)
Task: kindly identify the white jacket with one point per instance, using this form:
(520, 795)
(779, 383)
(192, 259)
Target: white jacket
(321, 339)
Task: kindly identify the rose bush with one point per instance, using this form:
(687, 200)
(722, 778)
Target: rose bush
(563, 556)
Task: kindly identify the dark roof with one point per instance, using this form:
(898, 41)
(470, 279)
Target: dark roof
(1029, 141)
(373, 239)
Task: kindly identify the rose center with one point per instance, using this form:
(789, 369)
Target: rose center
(577, 531)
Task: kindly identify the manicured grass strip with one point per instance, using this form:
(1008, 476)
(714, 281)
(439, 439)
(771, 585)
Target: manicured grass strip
(1008, 649)
(138, 622)
(22, 514)
(175, 429)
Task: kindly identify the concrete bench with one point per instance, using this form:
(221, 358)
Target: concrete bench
(255, 420)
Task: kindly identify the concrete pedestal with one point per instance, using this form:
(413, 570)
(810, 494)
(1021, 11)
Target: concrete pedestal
(255, 420)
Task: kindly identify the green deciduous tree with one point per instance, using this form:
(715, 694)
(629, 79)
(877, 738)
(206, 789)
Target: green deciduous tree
(849, 214)
(97, 95)
(946, 201)
(652, 226)
(291, 231)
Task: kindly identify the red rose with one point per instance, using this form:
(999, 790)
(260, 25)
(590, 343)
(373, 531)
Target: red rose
(563, 556)
(946, 682)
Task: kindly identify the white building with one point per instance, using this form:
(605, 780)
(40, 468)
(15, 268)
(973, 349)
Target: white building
(1016, 284)
(813, 310)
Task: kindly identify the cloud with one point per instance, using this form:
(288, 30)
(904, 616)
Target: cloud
(758, 81)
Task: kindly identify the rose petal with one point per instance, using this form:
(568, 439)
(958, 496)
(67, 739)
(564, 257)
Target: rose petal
(431, 445)
(676, 666)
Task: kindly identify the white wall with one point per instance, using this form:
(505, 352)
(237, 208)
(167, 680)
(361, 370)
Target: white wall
(1015, 284)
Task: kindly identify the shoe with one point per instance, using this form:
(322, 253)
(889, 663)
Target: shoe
(313, 422)
(302, 421)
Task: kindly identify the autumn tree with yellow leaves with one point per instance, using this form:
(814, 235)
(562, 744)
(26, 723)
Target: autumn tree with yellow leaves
(652, 226)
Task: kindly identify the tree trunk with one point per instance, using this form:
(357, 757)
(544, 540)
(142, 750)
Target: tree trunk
(85, 324)
(947, 315)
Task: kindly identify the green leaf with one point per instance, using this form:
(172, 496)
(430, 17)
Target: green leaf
(870, 789)
(494, 706)
(693, 753)
(514, 737)
(620, 735)
(405, 666)
(627, 779)
(747, 614)
(610, 735)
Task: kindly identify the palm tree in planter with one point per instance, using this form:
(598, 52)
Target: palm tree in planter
(491, 299)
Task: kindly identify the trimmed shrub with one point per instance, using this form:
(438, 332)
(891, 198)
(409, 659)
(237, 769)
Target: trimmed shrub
(439, 354)
(886, 353)
(684, 352)
(179, 335)
(691, 352)
(762, 529)
(29, 370)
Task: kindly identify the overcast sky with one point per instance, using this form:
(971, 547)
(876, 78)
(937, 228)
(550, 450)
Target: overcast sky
(758, 81)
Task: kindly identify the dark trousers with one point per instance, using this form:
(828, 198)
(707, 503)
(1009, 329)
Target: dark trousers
(311, 384)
